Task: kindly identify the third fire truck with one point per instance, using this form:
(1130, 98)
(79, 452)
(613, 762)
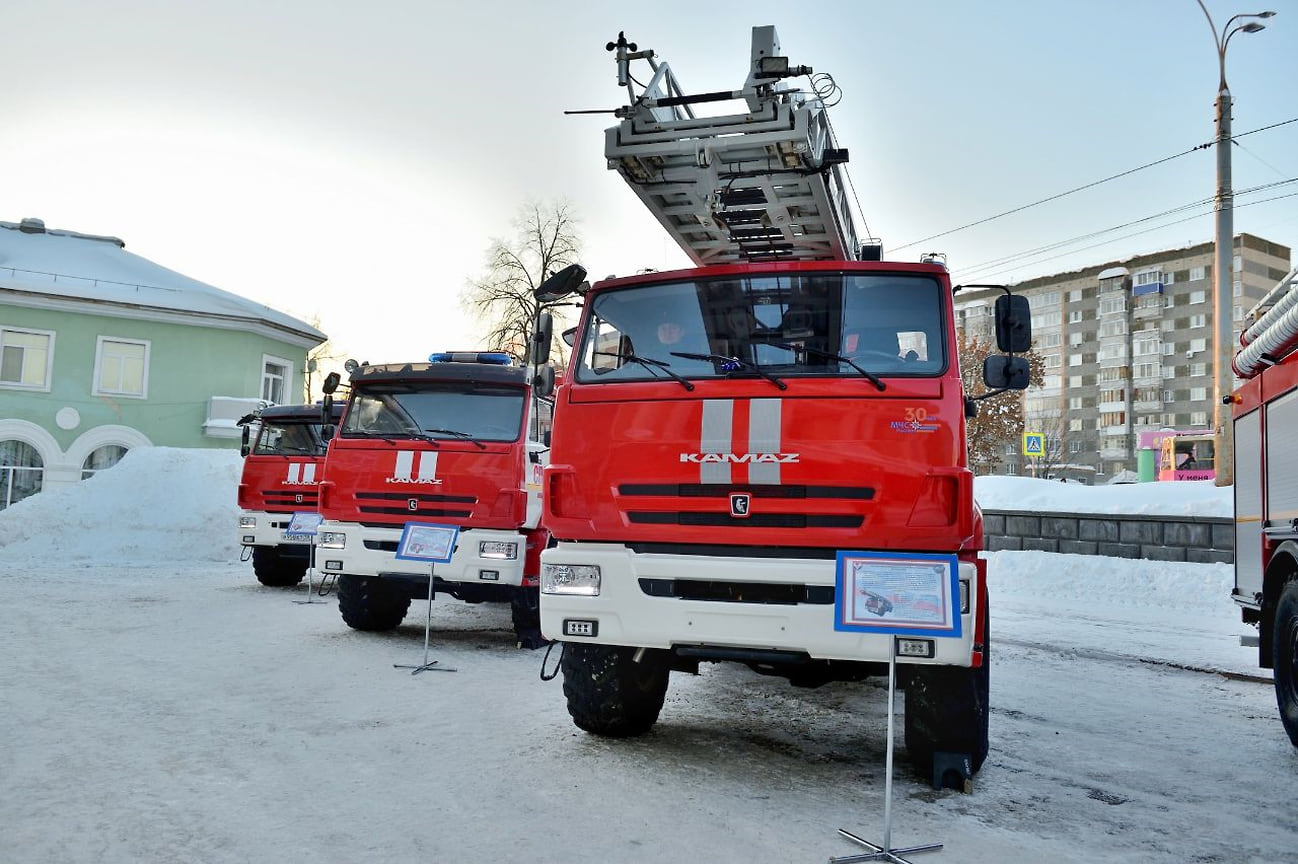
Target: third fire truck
(723, 432)
(1265, 413)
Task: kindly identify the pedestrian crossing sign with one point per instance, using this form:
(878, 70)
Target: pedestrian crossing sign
(1034, 444)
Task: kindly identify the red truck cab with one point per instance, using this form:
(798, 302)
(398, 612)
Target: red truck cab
(282, 466)
(720, 435)
(448, 442)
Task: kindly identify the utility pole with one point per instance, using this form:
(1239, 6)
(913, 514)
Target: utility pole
(1223, 271)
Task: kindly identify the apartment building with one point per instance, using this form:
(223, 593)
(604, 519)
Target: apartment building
(1127, 349)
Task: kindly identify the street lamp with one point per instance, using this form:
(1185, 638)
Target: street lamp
(1224, 270)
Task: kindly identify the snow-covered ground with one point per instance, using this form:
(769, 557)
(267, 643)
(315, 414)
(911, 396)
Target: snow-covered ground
(157, 704)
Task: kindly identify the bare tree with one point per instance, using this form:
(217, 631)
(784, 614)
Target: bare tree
(324, 354)
(545, 240)
(999, 421)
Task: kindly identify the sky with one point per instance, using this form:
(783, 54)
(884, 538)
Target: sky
(161, 705)
(351, 163)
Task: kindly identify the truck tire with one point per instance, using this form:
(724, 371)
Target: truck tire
(947, 709)
(609, 693)
(274, 571)
(369, 603)
(526, 610)
(1284, 647)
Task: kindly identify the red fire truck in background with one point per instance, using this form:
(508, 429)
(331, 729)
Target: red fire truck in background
(453, 441)
(723, 432)
(282, 465)
(1265, 417)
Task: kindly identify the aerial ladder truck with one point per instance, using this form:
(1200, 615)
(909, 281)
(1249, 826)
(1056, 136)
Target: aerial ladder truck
(723, 432)
(1264, 415)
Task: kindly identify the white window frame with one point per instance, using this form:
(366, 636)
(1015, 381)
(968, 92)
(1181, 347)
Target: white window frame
(287, 379)
(97, 390)
(49, 360)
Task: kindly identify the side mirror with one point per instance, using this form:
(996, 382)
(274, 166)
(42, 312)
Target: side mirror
(543, 382)
(331, 382)
(245, 447)
(561, 284)
(541, 338)
(1013, 324)
(1006, 373)
(569, 336)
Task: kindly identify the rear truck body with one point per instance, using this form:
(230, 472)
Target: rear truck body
(445, 443)
(282, 465)
(1265, 418)
(720, 435)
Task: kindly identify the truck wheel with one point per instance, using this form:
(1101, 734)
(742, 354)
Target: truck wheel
(947, 709)
(1285, 658)
(274, 571)
(369, 603)
(526, 608)
(611, 694)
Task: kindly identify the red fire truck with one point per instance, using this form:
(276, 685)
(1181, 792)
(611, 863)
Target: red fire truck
(723, 432)
(1265, 416)
(281, 472)
(453, 441)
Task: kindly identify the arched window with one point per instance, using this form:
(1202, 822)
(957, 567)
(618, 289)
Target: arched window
(103, 457)
(21, 471)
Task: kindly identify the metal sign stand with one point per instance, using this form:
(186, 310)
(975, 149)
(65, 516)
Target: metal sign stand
(427, 665)
(303, 526)
(884, 852)
(874, 593)
(435, 544)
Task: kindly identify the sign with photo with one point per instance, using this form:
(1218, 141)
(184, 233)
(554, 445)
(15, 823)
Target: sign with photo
(424, 541)
(302, 526)
(902, 593)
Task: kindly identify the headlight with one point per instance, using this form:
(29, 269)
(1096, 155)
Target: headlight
(498, 549)
(247, 521)
(570, 579)
(332, 540)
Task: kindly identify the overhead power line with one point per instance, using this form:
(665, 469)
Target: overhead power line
(1086, 186)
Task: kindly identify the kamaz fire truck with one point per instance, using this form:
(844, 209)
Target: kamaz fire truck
(723, 432)
(453, 441)
(1265, 417)
(281, 472)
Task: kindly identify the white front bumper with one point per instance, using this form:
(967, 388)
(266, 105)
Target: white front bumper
(269, 530)
(626, 615)
(466, 565)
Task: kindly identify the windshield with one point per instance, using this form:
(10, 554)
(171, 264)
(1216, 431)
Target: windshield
(288, 439)
(787, 325)
(442, 411)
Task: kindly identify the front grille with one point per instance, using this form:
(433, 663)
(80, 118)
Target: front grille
(385, 504)
(757, 490)
(779, 594)
(755, 520)
(276, 500)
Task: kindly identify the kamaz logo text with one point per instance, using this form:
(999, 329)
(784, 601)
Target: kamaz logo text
(414, 466)
(740, 458)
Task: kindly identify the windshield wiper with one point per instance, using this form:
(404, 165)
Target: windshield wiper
(830, 355)
(730, 364)
(465, 436)
(651, 364)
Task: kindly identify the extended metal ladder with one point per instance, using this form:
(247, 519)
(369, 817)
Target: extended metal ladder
(764, 185)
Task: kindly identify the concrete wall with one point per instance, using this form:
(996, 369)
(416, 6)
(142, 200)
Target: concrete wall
(1158, 538)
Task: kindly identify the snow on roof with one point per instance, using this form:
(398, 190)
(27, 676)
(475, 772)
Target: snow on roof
(85, 267)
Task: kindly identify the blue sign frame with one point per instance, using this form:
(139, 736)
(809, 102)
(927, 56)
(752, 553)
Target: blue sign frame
(898, 593)
(429, 542)
(302, 525)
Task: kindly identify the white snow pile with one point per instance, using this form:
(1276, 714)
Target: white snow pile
(161, 506)
(1183, 498)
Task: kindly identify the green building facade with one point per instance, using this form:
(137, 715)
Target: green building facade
(102, 351)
